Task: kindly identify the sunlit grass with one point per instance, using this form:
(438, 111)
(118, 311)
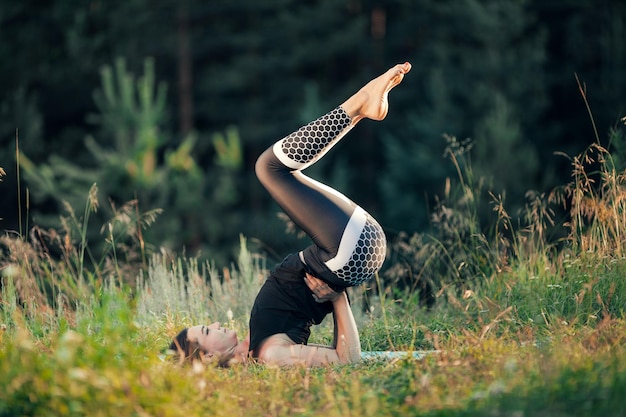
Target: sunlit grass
(521, 325)
(107, 365)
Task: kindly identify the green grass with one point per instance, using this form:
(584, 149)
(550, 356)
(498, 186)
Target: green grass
(523, 326)
(107, 364)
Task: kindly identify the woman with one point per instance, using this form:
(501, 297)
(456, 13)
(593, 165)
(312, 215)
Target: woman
(348, 248)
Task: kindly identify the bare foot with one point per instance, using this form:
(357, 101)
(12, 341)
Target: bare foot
(371, 102)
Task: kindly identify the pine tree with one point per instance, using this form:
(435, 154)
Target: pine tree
(259, 65)
(478, 75)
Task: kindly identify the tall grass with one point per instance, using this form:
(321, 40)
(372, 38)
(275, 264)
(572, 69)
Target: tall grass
(525, 325)
(515, 271)
(189, 292)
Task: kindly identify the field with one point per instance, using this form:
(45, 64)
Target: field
(523, 325)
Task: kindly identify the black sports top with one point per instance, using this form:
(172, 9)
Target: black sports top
(285, 305)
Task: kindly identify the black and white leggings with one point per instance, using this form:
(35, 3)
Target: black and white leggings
(349, 246)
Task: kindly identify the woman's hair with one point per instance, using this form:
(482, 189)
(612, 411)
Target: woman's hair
(183, 347)
(187, 350)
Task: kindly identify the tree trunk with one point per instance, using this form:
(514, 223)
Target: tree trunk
(185, 73)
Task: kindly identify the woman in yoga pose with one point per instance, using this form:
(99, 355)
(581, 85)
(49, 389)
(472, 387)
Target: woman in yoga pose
(348, 248)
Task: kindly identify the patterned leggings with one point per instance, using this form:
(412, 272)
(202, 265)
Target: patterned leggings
(349, 246)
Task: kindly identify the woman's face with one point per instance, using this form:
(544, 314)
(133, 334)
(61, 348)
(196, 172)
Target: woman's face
(213, 339)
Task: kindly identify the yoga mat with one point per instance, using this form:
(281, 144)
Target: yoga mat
(388, 354)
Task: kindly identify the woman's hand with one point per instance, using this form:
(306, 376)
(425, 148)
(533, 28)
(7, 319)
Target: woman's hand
(320, 289)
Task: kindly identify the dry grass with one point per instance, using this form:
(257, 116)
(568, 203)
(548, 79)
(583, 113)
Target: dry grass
(524, 326)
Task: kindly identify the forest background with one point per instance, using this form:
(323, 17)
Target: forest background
(168, 103)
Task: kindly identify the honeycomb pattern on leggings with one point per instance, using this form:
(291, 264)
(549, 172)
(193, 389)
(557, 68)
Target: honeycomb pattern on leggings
(368, 255)
(307, 142)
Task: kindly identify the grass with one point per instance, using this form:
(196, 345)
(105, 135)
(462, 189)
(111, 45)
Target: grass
(523, 326)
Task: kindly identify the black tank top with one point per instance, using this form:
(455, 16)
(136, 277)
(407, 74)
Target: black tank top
(285, 305)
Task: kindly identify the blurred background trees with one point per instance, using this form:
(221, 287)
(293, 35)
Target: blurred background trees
(168, 103)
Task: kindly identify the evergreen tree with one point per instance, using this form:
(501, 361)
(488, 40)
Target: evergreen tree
(478, 74)
(501, 74)
(586, 40)
(49, 67)
(258, 66)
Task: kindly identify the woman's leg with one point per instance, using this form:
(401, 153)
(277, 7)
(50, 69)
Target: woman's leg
(348, 242)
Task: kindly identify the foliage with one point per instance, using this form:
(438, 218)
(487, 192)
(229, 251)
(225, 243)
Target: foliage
(102, 363)
(95, 368)
(471, 79)
(499, 73)
(539, 331)
(525, 309)
(131, 163)
(189, 291)
(460, 254)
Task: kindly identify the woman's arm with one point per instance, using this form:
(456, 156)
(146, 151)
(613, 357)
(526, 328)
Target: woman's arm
(347, 342)
(346, 335)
